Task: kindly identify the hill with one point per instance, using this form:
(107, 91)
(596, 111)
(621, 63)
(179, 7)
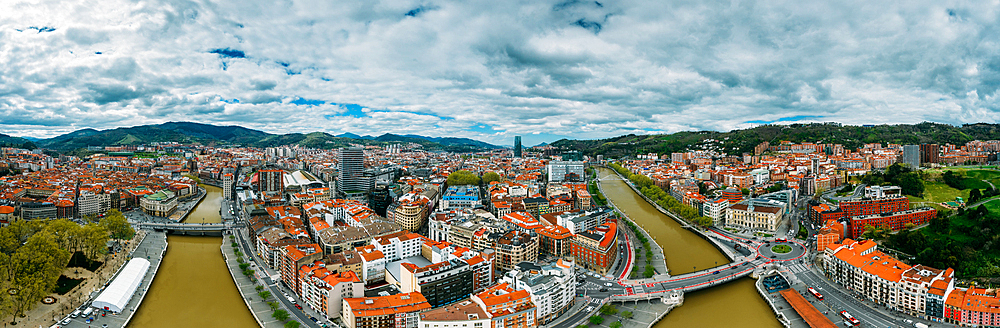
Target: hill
(6, 140)
(743, 141)
(207, 134)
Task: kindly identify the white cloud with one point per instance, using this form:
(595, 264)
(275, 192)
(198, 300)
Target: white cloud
(584, 69)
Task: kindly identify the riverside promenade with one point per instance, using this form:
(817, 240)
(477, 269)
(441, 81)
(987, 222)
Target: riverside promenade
(152, 248)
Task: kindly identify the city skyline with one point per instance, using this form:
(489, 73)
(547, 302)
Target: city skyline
(542, 70)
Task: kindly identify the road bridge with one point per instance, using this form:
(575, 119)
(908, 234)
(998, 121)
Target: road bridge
(193, 229)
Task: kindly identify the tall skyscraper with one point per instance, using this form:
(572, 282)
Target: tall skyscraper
(352, 172)
(517, 146)
(929, 153)
(911, 156)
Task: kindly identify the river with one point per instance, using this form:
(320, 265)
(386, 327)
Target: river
(736, 304)
(193, 288)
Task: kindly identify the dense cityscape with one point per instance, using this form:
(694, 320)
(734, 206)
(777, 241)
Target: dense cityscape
(393, 235)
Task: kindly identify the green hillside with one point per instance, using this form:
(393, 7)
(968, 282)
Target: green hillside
(743, 141)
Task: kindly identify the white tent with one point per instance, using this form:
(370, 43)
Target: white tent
(117, 294)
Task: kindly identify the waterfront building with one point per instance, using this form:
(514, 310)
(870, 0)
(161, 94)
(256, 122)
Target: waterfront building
(596, 249)
(393, 311)
(324, 291)
(754, 217)
(161, 203)
(294, 257)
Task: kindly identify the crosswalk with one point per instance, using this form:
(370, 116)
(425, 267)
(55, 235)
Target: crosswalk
(796, 268)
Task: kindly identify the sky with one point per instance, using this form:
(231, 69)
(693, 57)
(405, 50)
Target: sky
(490, 70)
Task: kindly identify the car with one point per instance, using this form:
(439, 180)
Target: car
(65, 321)
(313, 319)
(298, 306)
(716, 272)
(608, 284)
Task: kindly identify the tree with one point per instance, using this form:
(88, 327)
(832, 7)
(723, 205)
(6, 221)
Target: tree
(626, 314)
(292, 324)
(462, 177)
(595, 319)
(273, 305)
(974, 195)
(34, 269)
(616, 324)
(258, 287)
(264, 295)
(609, 309)
(490, 177)
(581, 326)
(281, 315)
(95, 241)
(116, 223)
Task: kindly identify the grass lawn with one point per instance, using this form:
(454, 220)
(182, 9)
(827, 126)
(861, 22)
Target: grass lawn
(993, 206)
(938, 192)
(65, 284)
(973, 183)
(781, 249)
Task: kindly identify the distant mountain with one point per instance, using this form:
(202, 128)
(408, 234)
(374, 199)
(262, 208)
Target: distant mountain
(11, 140)
(738, 142)
(207, 134)
(541, 144)
(456, 141)
(348, 135)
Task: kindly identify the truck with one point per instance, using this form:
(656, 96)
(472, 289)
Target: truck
(921, 325)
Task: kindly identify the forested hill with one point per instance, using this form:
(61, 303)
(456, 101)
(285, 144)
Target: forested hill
(743, 141)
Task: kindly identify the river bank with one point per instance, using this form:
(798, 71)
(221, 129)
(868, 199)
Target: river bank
(686, 252)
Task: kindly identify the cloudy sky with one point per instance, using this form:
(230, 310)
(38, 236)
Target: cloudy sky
(490, 70)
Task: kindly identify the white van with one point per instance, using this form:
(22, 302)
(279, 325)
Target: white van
(75, 314)
(88, 311)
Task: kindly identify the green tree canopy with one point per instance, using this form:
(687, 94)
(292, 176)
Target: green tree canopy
(462, 177)
(116, 223)
(281, 315)
(490, 177)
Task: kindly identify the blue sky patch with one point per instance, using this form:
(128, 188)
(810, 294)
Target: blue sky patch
(229, 53)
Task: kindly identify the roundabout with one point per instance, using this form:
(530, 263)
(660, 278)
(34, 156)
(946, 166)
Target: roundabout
(781, 250)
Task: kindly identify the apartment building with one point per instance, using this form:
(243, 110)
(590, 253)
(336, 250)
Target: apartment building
(393, 311)
(552, 287)
(513, 247)
(464, 314)
(325, 291)
(507, 307)
(293, 258)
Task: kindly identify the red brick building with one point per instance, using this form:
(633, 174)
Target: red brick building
(894, 221)
(595, 249)
(874, 206)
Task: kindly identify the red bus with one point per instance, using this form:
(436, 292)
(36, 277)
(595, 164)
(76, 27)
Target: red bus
(781, 240)
(815, 293)
(850, 318)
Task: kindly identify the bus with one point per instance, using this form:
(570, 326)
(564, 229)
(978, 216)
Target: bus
(780, 240)
(850, 318)
(815, 293)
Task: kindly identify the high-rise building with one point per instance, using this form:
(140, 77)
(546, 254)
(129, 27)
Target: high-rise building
(560, 171)
(929, 153)
(270, 180)
(352, 172)
(911, 156)
(517, 146)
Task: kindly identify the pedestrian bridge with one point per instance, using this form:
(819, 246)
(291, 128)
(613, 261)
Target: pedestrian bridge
(193, 229)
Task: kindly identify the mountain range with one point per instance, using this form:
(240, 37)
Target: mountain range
(743, 141)
(189, 132)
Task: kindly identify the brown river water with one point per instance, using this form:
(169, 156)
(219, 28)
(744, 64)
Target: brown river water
(736, 304)
(193, 288)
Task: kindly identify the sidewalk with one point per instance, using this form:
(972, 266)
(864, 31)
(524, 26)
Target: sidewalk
(259, 308)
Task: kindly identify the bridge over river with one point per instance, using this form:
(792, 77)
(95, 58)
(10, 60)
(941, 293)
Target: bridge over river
(192, 229)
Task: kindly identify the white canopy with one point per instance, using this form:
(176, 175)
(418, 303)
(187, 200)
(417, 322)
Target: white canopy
(117, 294)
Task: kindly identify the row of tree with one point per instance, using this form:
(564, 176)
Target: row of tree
(34, 253)
(662, 198)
